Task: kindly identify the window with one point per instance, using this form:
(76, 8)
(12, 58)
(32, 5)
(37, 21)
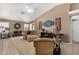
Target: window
(26, 27)
(30, 27)
(4, 26)
(33, 27)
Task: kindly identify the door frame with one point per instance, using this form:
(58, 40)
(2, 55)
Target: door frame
(70, 30)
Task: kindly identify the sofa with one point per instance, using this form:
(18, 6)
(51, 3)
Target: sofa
(31, 38)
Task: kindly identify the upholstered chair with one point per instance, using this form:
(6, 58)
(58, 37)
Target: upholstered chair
(44, 46)
(31, 38)
(25, 36)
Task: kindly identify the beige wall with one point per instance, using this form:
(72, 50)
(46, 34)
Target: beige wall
(74, 6)
(59, 11)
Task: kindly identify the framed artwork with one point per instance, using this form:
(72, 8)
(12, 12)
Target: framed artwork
(40, 25)
(17, 26)
(58, 24)
(48, 23)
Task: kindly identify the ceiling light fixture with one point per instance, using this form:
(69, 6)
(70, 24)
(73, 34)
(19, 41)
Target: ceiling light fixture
(30, 10)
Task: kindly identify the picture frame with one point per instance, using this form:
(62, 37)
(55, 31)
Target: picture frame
(17, 26)
(40, 25)
(48, 23)
(58, 24)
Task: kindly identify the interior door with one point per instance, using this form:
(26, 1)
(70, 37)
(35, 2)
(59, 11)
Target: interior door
(75, 37)
(75, 30)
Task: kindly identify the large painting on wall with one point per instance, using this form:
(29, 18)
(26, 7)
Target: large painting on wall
(58, 24)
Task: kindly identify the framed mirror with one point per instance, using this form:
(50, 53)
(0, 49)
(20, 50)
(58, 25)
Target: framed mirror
(17, 26)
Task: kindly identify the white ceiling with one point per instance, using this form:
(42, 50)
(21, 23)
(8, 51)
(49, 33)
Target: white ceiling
(13, 11)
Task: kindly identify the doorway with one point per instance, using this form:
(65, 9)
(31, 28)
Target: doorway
(75, 34)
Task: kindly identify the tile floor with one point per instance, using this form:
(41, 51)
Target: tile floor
(18, 46)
